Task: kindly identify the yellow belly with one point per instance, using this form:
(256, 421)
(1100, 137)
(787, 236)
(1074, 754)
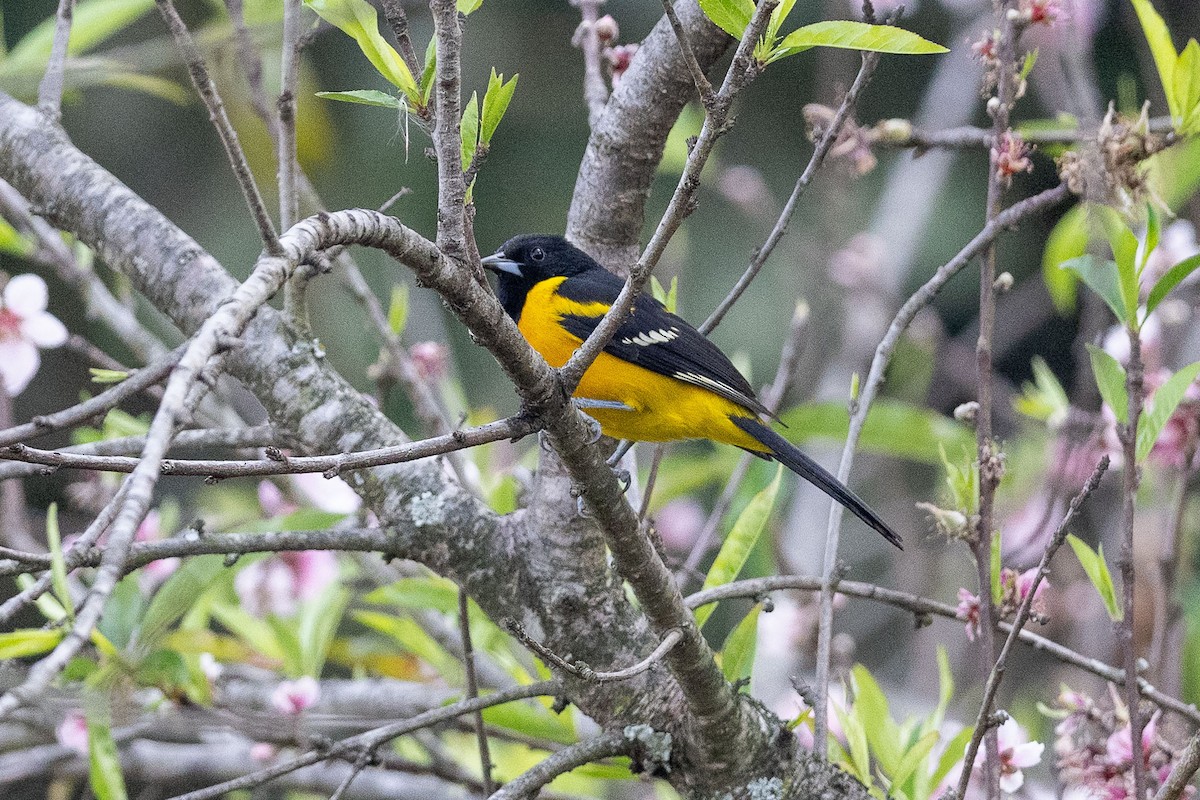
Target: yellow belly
(661, 408)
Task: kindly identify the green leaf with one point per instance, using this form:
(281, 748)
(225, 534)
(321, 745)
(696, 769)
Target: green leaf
(1102, 278)
(1097, 571)
(58, 565)
(470, 130)
(1163, 49)
(14, 243)
(737, 657)
(1186, 90)
(318, 621)
(412, 638)
(740, 541)
(778, 17)
(914, 757)
(945, 689)
(28, 642)
(365, 97)
(107, 376)
(358, 20)
(1172, 278)
(871, 708)
(495, 102)
(669, 299)
(953, 754)
(466, 7)
(851, 35)
(856, 738)
(92, 22)
(427, 72)
(1159, 409)
(1068, 240)
(431, 592)
(1027, 65)
(731, 16)
(1153, 229)
(531, 719)
(1110, 379)
(398, 308)
(1045, 398)
(1124, 246)
(104, 763)
(175, 597)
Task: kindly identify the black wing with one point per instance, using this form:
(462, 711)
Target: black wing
(656, 339)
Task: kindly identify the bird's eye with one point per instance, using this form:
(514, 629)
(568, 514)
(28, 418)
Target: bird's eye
(537, 254)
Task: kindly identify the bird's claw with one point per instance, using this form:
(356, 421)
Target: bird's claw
(594, 430)
(623, 478)
(581, 507)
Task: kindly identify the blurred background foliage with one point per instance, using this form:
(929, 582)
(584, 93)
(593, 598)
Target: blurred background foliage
(918, 209)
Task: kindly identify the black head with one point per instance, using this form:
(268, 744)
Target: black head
(531, 258)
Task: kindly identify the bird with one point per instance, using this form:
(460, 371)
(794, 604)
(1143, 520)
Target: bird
(658, 379)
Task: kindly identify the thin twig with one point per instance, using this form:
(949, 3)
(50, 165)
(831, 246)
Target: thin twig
(1007, 219)
(1018, 623)
(583, 671)
(93, 407)
(789, 360)
(703, 85)
(220, 119)
(279, 464)
(50, 90)
(375, 738)
(824, 144)
(286, 144)
(741, 72)
(251, 64)
(529, 783)
(900, 133)
(464, 628)
(922, 608)
(447, 131)
(1181, 774)
(393, 11)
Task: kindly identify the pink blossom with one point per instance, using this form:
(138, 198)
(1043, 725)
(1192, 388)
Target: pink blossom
(272, 500)
(1011, 156)
(1119, 746)
(968, 611)
(1016, 753)
(432, 360)
(25, 326)
(263, 752)
(1044, 12)
(72, 733)
(294, 697)
(619, 58)
(276, 585)
(679, 523)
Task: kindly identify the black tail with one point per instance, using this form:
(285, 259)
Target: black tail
(790, 456)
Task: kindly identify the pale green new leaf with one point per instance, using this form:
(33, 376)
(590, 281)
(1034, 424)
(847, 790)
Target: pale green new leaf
(851, 35)
(412, 638)
(365, 97)
(104, 762)
(1045, 398)
(952, 755)
(1158, 36)
(175, 597)
(731, 16)
(871, 708)
(398, 308)
(668, 297)
(1187, 84)
(92, 22)
(470, 130)
(856, 738)
(1110, 379)
(495, 102)
(778, 17)
(466, 7)
(1068, 240)
(1159, 409)
(107, 376)
(1102, 278)
(28, 642)
(58, 564)
(737, 657)
(428, 70)
(14, 243)
(740, 541)
(1097, 571)
(316, 625)
(358, 20)
(1173, 277)
(914, 757)
(1027, 65)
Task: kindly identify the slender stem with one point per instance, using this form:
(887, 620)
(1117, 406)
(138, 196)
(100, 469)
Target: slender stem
(447, 132)
(1018, 623)
(1181, 774)
(584, 671)
(1124, 628)
(278, 464)
(286, 144)
(393, 10)
(464, 628)
(220, 119)
(529, 783)
(703, 85)
(50, 90)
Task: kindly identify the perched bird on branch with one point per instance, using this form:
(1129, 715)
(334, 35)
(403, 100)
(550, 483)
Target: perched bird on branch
(658, 379)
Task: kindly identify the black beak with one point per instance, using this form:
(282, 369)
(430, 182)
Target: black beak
(498, 262)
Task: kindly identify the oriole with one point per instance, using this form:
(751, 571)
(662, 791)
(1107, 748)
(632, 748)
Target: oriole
(658, 379)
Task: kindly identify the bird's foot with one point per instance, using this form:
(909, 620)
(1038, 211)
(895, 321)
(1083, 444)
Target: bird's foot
(622, 448)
